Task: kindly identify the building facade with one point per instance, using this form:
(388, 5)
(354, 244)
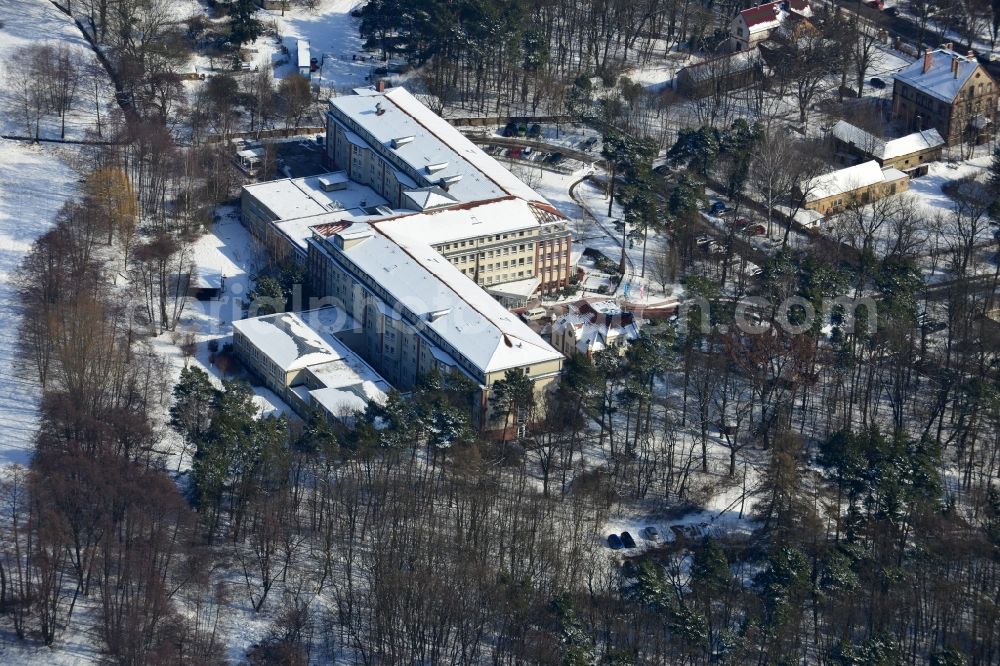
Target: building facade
(948, 92)
(910, 154)
(418, 314)
(863, 183)
(416, 161)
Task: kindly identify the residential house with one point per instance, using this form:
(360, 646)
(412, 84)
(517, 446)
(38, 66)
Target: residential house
(910, 154)
(721, 74)
(948, 92)
(756, 24)
(862, 183)
(590, 327)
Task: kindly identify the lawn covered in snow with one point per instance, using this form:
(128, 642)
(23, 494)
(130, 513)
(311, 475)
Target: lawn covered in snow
(35, 181)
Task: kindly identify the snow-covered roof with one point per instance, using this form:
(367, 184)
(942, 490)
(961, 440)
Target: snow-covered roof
(306, 340)
(445, 225)
(423, 198)
(415, 135)
(730, 63)
(299, 229)
(762, 17)
(353, 398)
(291, 198)
(518, 288)
(943, 79)
(289, 342)
(303, 53)
(207, 278)
(441, 299)
(887, 150)
(849, 179)
(591, 333)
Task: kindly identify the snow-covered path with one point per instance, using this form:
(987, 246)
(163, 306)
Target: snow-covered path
(34, 183)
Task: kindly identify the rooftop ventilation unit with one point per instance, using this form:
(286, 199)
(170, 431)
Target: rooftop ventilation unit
(434, 168)
(434, 315)
(331, 183)
(378, 109)
(401, 141)
(450, 180)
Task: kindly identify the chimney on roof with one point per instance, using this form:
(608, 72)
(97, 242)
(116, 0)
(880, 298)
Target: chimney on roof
(379, 110)
(947, 45)
(954, 67)
(971, 55)
(928, 58)
(380, 85)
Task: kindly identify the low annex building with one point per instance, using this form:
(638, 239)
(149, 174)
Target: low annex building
(721, 74)
(862, 183)
(299, 357)
(910, 153)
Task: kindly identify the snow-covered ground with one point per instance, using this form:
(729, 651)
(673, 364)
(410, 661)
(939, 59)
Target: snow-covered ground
(33, 22)
(35, 181)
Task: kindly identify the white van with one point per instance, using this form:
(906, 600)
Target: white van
(535, 313)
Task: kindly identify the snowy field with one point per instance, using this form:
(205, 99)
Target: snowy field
(27, 22)
(35, 181)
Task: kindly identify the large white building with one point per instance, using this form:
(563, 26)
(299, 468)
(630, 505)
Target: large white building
(423, 239)
(399, 165)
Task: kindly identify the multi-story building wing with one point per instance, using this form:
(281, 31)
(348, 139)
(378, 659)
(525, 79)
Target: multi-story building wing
(417, 313)
(392, 143)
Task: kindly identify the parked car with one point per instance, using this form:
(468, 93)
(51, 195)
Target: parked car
(892, 11)
(615, 542)
(877, 83)
(933, 326)
(510, 129)
(535, 131)
(627, 540)
(589, 144)
(554, 158)
(717, 207)
(703, 240)
(650, 533)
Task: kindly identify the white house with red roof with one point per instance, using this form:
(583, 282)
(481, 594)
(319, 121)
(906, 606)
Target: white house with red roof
(755, 24)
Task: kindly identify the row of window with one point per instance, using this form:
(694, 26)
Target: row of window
(485, 239)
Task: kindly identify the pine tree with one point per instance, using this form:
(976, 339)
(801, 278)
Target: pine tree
(190, 414)
(243, 24)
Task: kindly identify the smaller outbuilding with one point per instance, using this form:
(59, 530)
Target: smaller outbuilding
(910, 154)
(720, 75)
(862, 183)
